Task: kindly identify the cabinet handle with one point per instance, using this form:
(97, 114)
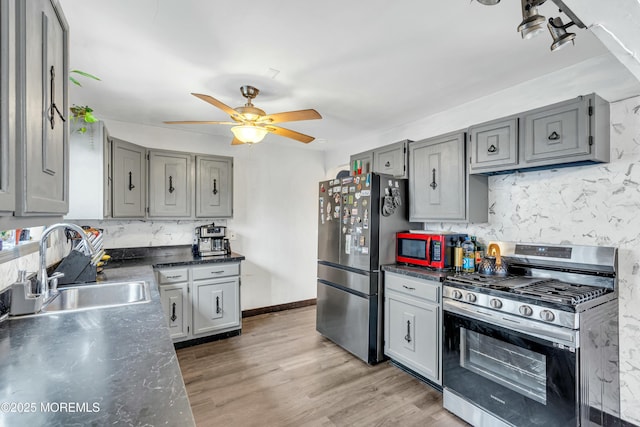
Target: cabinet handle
(218, 308)
(408, 336)
(53, 109)
(554, 136)
(215, 186)
(173, 312)
(217, 272)
(433, 182)
(388, 164)
(174, 277)
(492, 148)
(408, 287)
(171, 189)
(131, 186)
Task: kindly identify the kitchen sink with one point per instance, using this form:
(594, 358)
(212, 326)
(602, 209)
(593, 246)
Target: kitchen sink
(87, 297)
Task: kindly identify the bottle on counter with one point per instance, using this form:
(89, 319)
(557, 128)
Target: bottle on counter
(457, 256)
(479, 251)
(468, 256)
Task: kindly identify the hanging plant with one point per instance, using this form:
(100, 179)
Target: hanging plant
(84, 113)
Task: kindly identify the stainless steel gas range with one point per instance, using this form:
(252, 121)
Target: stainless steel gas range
(538, 347)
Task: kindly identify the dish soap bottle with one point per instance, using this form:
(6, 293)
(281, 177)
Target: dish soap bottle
(468, 256)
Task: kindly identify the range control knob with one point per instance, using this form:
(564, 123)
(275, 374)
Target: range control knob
(525, 310)
(547, 315)
(495, 303)
(456, 294)
(471, 297)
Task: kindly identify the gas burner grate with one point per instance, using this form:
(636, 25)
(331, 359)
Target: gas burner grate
(561, 292)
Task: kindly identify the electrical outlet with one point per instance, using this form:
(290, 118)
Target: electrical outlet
(231, 235)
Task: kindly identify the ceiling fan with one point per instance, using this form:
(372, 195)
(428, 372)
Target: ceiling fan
(251, 124)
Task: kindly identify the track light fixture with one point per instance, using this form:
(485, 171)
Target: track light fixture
(533, 23)
(559, 33)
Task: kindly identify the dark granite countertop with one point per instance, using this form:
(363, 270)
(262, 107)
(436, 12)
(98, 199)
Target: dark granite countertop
(163, 257)
(417, 272)
(110, 366)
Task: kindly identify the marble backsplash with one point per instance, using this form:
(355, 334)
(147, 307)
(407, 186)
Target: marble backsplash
(586, 205)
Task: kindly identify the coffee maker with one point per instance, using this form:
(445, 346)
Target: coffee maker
(211, 240)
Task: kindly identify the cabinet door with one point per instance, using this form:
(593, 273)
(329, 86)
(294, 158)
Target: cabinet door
(169, 184)
(391, 160)
(42, 75)
(412, 334)
(175, 305)
(128, 180)
(556, 133)
(493, 146)
(7, 107)
(216, 305)
(214, 187)
(362, 163)
(437, 180)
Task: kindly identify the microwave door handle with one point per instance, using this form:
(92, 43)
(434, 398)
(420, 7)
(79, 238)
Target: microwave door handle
(428, 251)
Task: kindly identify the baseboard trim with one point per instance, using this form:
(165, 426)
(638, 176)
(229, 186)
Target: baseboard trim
(279, 307)
(202, 340)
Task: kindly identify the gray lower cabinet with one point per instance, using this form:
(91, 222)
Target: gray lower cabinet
(413, 324)
(42, 108)
(128, 181)
(214, 186)
(7, 103)
(440, 189)
(169, 184)
(567, 133)
(201, 301)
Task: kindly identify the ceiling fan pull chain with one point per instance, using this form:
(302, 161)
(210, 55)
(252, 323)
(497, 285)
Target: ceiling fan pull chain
(215, 187)
(433, 182)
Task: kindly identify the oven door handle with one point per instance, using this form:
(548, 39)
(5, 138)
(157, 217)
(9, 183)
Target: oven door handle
(555, 334)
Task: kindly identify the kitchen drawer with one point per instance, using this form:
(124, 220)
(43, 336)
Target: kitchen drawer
(427, 290)
(173, 275)
(213, 271)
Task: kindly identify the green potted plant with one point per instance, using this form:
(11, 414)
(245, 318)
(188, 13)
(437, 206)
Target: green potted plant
(82, 113)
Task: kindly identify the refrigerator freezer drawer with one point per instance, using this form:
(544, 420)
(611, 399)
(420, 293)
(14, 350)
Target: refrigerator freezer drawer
(344, 319)
(364, 282)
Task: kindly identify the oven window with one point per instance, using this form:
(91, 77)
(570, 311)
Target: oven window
(412, 248)
(519, 369)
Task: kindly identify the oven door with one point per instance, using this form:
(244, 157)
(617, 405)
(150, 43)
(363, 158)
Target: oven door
(519, 378)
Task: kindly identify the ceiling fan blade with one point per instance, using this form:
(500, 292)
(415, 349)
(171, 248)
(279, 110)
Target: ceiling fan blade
(224, 107)
(291, 116)
(198, 122)
(290, 134)
(236, 141)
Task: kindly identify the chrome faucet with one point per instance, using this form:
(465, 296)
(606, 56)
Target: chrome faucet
(43, 278)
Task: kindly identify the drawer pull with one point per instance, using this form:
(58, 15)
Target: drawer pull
(174, 277)
(492, 149)
(173, 312)
(217, 272)
(554, 136)
(387, 165)
(408, 287)
(408, 336)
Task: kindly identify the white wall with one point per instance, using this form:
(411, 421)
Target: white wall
(274, 211)
(591, 205)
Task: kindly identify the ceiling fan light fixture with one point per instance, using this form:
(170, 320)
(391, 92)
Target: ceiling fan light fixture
(489, 2)
(532, 23)
(249, 134)
(559, 33)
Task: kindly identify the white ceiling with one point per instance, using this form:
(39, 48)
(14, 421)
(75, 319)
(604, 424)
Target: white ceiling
(364, 65)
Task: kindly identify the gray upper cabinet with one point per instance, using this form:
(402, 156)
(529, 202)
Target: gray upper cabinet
(390, 159)
(128, 180)
(493, 145)
(7, 105)
(361, 163)
(439, 187)
(42, 134)
(563, 134)
(214, 186)
(169, 184)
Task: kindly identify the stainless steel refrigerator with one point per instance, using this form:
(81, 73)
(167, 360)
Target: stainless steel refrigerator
(357, 222)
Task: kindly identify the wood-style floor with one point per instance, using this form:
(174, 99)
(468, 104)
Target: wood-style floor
(281, 372)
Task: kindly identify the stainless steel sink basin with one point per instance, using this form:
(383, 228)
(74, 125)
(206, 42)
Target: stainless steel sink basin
(85, 297)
